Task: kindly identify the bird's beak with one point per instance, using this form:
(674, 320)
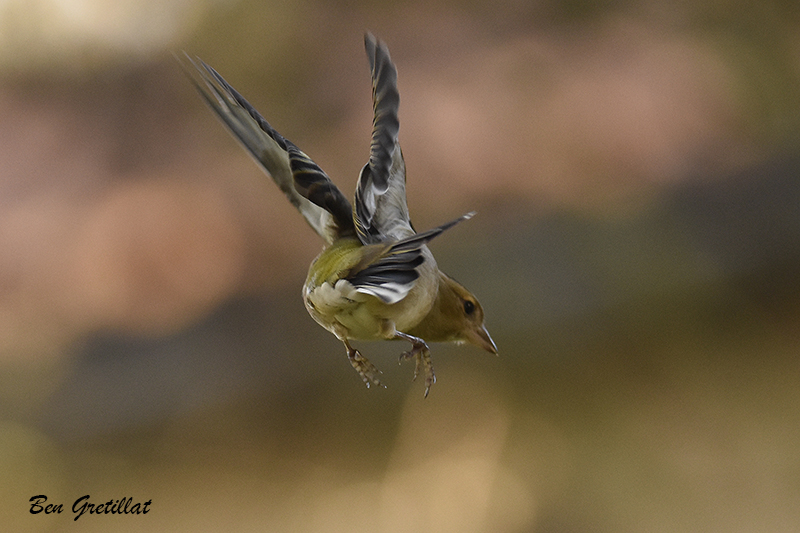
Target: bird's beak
(481, 338)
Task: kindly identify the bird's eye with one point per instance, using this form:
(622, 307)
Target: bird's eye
(469, 307)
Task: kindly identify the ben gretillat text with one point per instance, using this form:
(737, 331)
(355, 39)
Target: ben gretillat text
(83, 505)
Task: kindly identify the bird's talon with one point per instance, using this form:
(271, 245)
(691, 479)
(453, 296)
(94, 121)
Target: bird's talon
(422, 363)
(369, 373)
(430, 376)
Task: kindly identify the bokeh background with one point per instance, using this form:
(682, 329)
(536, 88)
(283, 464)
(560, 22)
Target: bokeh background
(634, 165)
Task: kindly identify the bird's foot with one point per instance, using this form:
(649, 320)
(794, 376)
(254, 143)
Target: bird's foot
(422, 361)
(368, 372)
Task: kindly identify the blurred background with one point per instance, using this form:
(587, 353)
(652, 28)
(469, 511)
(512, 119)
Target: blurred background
(634, 165)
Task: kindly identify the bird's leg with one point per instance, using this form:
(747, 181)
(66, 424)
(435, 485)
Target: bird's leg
(422, 358)
(368, 372)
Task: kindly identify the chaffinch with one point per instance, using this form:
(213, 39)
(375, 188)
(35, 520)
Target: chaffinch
(375, 279)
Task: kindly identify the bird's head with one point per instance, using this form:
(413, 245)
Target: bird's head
(469, 314)
(457, 316)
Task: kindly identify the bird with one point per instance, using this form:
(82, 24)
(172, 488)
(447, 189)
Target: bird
(376, 278)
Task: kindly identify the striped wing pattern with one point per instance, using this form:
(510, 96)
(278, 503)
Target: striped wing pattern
(392, 275)
(381, 211)
(306, 186)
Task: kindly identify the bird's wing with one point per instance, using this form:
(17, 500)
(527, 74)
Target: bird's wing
(381, 211)
(391, 271)
(306, 186)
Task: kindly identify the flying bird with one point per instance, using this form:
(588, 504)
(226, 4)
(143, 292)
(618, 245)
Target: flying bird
(376, 278)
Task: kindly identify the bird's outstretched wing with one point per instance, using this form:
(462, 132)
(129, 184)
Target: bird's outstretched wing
(381, 211)
(306, 186)
(390, 272)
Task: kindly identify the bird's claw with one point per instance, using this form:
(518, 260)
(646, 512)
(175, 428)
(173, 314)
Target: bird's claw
(368, 372)
(422, 363)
